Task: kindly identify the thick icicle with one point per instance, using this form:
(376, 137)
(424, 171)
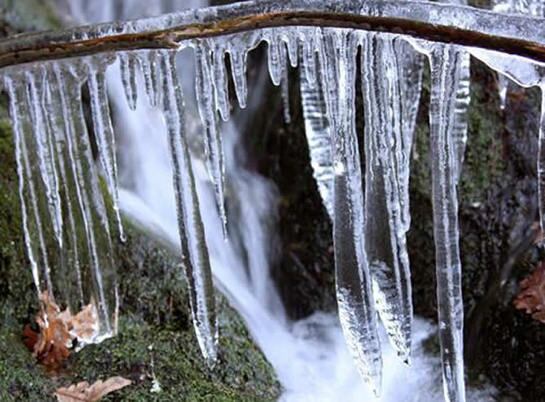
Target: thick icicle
(212, 135)
(195, 258)
(104, 134)
(446, 62)
(353, 281)
(128, 78)
(388, 140)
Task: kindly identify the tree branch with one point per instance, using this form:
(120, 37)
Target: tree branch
(518, 35)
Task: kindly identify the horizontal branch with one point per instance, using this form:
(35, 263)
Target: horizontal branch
(518, 35)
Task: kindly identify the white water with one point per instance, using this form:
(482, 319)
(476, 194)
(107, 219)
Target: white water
(309, 356)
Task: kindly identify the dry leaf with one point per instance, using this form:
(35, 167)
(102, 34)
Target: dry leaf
(51, 345)
(83, 392)
(531, 298)
(84, 325)
(58, 330)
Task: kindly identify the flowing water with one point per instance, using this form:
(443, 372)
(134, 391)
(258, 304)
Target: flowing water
(309, 356)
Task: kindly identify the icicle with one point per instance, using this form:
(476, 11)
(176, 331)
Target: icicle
(410, 67)
(291, 41)
(510, 7)
(461, 108)
(308, 56)
(541, 161)
(278, 66)
(102, 279)
(221, 90)
(526, 74)
(212, 135)
(317, 131)
(237, 55)
(70, 267)
(387, 149)
(128, 77)
(285, 91)
(195, 256)
(32, 227)
(353, 281)
(446, 62)
(45, 150)
(104, 133)
(275, 62)
(459, 131)
(149, 71)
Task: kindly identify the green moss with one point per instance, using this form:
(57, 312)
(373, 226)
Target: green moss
(156, 335)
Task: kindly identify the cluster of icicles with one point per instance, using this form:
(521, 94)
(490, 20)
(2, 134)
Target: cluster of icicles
(65, 216)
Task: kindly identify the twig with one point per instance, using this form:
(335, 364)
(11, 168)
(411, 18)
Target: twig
(518, 35)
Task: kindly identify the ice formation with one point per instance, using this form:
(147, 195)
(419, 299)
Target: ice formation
(390, 114)
(337, 56)
(59, 188)
(366, 196)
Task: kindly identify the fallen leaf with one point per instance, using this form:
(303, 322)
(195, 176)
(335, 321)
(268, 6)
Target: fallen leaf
(84, 325)
(53, 342)
(83, 392)
(531, 298)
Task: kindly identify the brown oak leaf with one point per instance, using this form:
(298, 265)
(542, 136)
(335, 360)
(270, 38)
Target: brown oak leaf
(83, 392)
(531, 298)
(58, 330)
(51, 345)
(84, 325)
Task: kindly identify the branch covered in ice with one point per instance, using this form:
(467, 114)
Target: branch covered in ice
(466, 26)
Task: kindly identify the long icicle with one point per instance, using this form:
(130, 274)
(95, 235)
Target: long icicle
(128, 78)
(44, 150)
(445, 63)
(32, 229)
(105, 137)
(213, 148)
(541, 161)
(195, 258)
(387, 150)
(71, 264)
(353, 281)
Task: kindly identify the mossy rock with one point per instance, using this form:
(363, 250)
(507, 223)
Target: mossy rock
(156, 338)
